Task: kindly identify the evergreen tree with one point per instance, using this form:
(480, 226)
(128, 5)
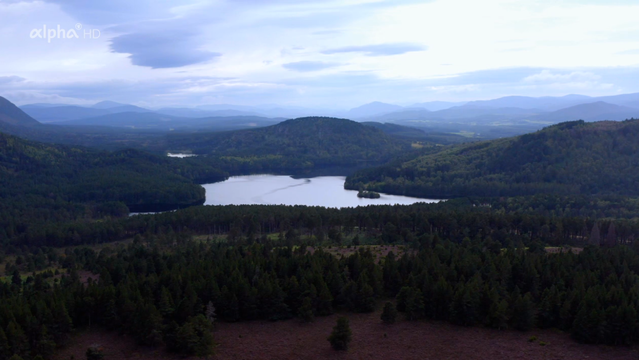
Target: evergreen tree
(305, 311)
(611, 237)
(324, 301)
(389, 315)
(16, 279)
(211, 316)
(95, 352)
(414, 304)
(5, 350)
(18, 341)
(195, 338)
(341, 335)
(595, 235)
(147, 325)
(498, 315)
(523, 317)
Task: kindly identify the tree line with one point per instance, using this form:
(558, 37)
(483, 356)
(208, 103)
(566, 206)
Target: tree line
(174, 294)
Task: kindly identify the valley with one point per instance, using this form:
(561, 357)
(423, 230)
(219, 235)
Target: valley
(244, 242)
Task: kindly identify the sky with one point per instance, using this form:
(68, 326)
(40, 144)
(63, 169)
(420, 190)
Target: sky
(319, 54)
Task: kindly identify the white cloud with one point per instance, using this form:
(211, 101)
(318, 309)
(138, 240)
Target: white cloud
(547, 76)
(475, 48)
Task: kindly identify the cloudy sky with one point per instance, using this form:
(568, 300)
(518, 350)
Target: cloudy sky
(328, 54)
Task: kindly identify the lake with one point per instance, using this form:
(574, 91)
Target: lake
(327, 191)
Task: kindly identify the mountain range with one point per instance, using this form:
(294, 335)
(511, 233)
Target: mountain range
(531, 113)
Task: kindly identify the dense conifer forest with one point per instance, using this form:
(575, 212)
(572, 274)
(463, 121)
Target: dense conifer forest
(165, 288)
(572, 158)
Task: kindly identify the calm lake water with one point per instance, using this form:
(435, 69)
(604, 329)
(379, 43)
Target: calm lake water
(327, 191)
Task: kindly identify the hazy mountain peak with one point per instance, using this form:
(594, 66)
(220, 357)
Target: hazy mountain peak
(372, 109)
(107, 104)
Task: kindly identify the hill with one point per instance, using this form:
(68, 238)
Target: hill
(397, 130)
(304, 142)
(198, 113)
(40, 182)
(417, 134)
(569, 158)
(163, 122)
(547, 103)
(12, 115)
(596, 111)
(62, 113)
(372, 109)
(49, 113)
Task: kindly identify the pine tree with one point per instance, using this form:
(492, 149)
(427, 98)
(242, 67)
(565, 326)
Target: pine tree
(16, 279)
(389, 315)
(95, 352)
(305, 311)
(365, 300)
(211, 316)
(195, 338)
(414, 304)
(5, 351)
(523, 313)
(402, 297)
(498, 315)
(611, 238)
(595, 236)
(147, 325)
(341, 335)
(324, 301)
(18, 342)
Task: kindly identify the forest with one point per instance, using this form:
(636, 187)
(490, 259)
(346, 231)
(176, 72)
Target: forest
(572, 158)
(299, 143)
(42, 183)
(168, 289)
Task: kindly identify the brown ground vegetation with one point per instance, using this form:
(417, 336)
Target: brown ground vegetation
(371, 340)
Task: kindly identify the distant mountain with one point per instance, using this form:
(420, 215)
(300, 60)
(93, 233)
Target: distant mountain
(199, 113)
(632, 104)
(216, 107)
(126, 119)
(107, 105)
(127, 108)
(300, 143)
(437, 105)
(467, 112)
(524, 102)
(11, 115)
(622, 100)
(62, 113)
(162, 122)
(51, 114)
(569, 158)
(372, 109)
(42, 105)
(595, 111)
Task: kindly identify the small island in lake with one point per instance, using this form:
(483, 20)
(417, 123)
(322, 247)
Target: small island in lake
(368, 194)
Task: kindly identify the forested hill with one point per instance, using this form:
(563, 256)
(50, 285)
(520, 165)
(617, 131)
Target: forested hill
(12, 115)
(303, 142)
(568, 158)
(42, 182)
